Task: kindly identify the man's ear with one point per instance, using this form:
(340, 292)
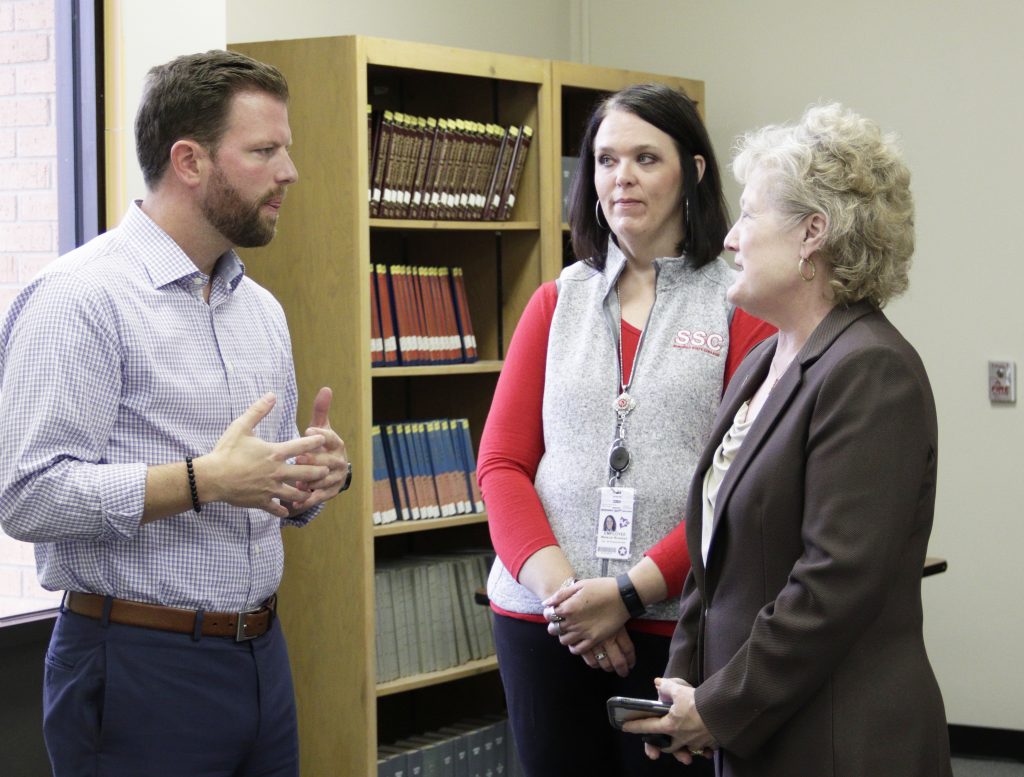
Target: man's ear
(188, 161)
(815, 229)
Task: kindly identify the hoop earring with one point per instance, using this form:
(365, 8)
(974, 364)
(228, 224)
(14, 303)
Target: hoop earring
(597, 216)
(800, 268)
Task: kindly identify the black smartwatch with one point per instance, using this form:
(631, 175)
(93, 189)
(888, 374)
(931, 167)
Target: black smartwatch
(348, 479)
(630, 598)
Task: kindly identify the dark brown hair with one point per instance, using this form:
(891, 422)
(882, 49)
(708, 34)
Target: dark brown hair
(189, 97)
(705, 215)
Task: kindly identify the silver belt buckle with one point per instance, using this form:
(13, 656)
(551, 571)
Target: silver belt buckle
(240, 625)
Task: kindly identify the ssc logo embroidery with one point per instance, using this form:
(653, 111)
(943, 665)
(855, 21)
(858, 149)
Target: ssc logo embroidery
(699, 340)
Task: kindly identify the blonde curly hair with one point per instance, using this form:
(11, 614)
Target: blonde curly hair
(839, 164)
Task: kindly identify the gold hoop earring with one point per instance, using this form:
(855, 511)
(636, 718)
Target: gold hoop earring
(597, 216)
(800, 268)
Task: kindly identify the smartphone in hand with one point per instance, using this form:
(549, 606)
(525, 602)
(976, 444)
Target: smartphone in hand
(623, 708)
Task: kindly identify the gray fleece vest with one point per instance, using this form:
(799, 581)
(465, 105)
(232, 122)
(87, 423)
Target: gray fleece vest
(677, 385)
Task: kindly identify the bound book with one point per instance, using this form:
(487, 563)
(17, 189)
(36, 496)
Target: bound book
(382, 153)
(423, 469)
(376, 341)
(419, 315)
(499, 174)
(462, 317)
(427, 129)
(384, 510)
(389, 344)
(515, 173)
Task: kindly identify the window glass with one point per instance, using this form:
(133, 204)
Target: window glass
(49, 190)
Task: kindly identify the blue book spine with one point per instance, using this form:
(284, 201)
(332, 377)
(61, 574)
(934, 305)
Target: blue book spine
(397, 468)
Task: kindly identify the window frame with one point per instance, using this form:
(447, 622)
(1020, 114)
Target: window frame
(78, 39)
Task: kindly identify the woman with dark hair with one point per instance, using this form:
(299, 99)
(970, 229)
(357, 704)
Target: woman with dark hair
(608, 391)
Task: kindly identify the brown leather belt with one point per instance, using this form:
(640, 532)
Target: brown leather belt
(239, 625)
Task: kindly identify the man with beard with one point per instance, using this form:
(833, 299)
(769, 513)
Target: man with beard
(147, 423)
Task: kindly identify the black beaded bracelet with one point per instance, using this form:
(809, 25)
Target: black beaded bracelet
(192, 484)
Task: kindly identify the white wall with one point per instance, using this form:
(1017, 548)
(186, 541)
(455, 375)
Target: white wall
(151, 33)
(945, 77)
(535, 28)
(148, 34)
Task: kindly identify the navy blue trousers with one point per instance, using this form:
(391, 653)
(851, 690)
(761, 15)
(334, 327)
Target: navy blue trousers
(556, 706)
(122, 701)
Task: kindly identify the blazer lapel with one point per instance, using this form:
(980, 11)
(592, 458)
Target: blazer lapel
(743, 384)
(774, 408)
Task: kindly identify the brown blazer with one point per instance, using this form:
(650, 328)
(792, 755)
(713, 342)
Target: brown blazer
(803, 634)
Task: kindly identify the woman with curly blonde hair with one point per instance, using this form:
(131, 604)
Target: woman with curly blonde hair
(799, 649)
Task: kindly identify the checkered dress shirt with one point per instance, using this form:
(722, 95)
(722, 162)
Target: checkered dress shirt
(111, 361)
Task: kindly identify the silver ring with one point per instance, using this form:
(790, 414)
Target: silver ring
(557, 619)
(558, 625)
(600, 656)
(699, 751)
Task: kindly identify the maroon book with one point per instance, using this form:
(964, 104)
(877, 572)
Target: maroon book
(376, 342)
(387, 321)
(515, 174)
(500, 173)
(462, 310)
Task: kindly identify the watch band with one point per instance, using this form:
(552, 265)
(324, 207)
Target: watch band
(630, 598)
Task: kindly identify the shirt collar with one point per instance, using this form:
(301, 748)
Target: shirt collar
(166, 263)
(669, 269)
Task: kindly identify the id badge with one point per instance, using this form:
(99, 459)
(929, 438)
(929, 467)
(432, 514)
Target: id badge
(615, 523)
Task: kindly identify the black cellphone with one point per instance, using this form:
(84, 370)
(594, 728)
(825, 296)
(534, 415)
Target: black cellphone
(623, 708)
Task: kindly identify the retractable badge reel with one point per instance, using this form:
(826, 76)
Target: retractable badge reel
(615, 513)
(618, 454)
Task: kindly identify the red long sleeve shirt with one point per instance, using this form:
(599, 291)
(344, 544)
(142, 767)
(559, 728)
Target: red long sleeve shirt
(513, 443)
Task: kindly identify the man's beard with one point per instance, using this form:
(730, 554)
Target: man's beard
(239, 221)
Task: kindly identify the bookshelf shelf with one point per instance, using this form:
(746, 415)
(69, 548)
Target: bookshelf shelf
(414, 682)
(480, 367)
(428, 524)
(456, 226)
(317, 268)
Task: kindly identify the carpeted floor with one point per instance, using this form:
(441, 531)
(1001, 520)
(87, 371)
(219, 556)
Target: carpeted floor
(979, 767)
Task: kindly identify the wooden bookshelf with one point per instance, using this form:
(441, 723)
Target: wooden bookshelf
(316, 267)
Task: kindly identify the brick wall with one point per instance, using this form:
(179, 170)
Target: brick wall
(28, 211)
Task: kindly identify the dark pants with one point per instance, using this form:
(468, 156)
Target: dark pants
(122, 701)
(557, 711)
